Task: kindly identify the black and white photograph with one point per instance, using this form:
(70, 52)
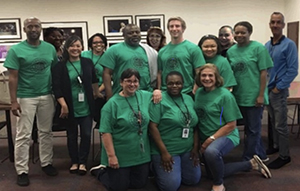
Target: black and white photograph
(79, 28)
(147, 21)
(114, 25)
(10, 29)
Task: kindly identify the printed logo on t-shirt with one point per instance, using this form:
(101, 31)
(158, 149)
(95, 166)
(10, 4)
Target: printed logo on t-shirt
(39, 65)
(137, 62)
(134, 123)
(172, 63)
(239, 68)
(201, 113)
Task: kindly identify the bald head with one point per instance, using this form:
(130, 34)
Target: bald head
(30, 19)
(32, 28)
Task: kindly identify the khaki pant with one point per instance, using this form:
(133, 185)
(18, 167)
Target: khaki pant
(43, 108)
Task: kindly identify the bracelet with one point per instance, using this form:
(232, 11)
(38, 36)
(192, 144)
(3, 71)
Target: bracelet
(212, 138)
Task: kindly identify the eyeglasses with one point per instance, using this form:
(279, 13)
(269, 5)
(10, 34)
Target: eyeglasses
(131, 82)
(98, 42)
(174, 83)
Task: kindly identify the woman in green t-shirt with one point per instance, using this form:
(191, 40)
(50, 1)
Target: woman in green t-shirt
(217, 112)
(124, 127)
(211, 48)
(174, 145)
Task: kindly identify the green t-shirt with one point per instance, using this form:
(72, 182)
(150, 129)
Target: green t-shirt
(118, 119)
(121, 57)
(246, 63)
(34, 66)
(81, 109)
(96, 60)
(171, 121)
(224, 69)
(214, 110)
(184, 58)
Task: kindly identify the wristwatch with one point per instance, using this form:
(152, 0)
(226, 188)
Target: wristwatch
(212, 138)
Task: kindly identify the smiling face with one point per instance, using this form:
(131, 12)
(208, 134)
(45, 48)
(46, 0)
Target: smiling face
(226, 37)
(56, 39)
(175, 29)
(209, 48)
(277, 24)
(74, 50)
(208, 79)
(132, 35)
(174, 85)
(98, 45)
(32, 28)
(130, 85)
(241, 35)
(155, 39)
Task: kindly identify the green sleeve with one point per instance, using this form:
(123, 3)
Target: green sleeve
(55, 60)
(197, 57)
(231, 111)
(155, 112)
(11, 60)
(159, 62)
(264, 59)
(108, 59)
(107, 120)
(227, 74)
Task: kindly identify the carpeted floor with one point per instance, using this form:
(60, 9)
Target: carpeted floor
(285, 179)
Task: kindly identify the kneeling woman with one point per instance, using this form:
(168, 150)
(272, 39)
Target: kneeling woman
(218, 111)
(124, 127)
(174, 149)
(73, 82)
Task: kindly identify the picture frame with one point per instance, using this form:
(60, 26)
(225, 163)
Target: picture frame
(113, 25)
(4, 48)
(79, 28)
(111, 42)
(147, 21)
(10, 28)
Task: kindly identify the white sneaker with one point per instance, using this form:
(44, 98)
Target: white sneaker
(94, 170)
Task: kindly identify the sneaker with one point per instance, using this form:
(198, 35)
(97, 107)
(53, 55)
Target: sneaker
(261, 167)
(265, 160)
(272, 150)
(23, 179)
(50, 170)
(95, 170)
(279, 162)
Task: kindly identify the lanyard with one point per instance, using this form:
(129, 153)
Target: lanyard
(187, 115)
(74, 68)
(79, 80)
(137, 115)
(93, 59)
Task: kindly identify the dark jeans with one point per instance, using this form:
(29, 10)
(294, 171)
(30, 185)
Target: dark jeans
(79, 156)
(133, 177)
(278, 117)
(99, 103)
(253, 143)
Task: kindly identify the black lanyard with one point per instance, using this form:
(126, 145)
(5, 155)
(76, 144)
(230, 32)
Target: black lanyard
(137, 115)
(74, 68)
(187, 115)
(93, 59)
(79, 79)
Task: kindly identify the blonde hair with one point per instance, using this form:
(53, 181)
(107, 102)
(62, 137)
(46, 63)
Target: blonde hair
(219, 79)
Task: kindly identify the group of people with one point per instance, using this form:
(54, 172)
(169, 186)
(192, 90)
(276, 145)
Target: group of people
(159, 107)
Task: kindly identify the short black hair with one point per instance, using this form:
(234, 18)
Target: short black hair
(245, 24)
(176, 73)
(100, 35)
(211, 37)
(130, 72)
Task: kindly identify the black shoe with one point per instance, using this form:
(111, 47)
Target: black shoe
(49, 170)
(23, 179)
(272, 150)
(279, 162)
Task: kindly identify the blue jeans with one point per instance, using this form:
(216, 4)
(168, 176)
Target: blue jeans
(213, 158)
(253, 143)
(134, 177)
(278, 117)
(183, 171)
(85, 124)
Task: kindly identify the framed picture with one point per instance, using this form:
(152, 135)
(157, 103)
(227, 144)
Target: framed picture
(147, 21)
(113, 25)
(4, 48)
(111, 42)
(79, 28)
(10, 29)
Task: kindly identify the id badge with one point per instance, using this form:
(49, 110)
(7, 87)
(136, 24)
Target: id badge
(185, 133)
(142, 147)
(81, 97)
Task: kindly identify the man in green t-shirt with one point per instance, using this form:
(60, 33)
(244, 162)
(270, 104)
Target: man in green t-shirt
(129, 54)
(29, 64)
(179, 55)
